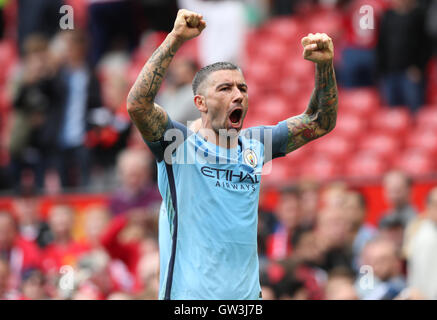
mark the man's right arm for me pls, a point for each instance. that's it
(148, 117)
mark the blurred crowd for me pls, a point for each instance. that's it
(318, 245)
(315, 243)
(64, 128)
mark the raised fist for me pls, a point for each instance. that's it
(318, 48)
(188, 25)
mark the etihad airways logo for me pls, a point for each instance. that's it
(229, 175)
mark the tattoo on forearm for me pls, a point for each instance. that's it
(146, 115)
(321, 113)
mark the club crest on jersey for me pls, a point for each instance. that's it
(250, 158)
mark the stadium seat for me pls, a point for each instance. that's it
(321, 167)
(363, 102)
(299, 70)
(384, 145)
(283, 28)
(365, 165)
(349, 125)
(416, 162)
(426, 117)
(274, 107)
(423, 139)
(336, 147)
(395, 121)
(272, 51)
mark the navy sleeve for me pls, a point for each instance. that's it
(158, 147)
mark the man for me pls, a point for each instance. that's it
(397, 191)
(355, 208)
(383, 256)
(287, 214)
(403, 76)
(212, 207)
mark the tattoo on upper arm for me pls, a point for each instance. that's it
(151, 119)
(321, 114)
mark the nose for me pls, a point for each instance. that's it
(238, 96)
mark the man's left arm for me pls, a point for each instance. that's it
(320, 116)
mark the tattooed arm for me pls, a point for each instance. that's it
(150, 118)
(320, 116)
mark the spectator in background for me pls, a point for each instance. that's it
(19, 253)
(178, 94)
(82, 94)
(431, 24)
(36, 103)
(6, 293)
(422, 248)
(383, 256)
(64, 249)
(137, 190)
(96, 219)
(397, 191)
(111, 25)
(361, 232)
(309, 199)
(224, 39)
(288, 215)
(333, 195)
(37, 16)
(340, 286)
(30, 225)
(358, 57)
(33, 285)
(403, 51)
(393, 230)
(307, 258)
(132, 238)
(332, 232)
(110, 125)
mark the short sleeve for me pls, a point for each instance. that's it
(274, 139)
(173, 130)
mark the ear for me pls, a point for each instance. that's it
(199, 101)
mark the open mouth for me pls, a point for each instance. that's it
(235, 117)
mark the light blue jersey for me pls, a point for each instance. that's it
(209, 216)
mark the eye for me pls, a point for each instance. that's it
(243, 89)
(224, 89)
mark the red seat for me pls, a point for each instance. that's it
(424, 139)
(365, 165)
(321, 168)
(350, 125)
(384, 145)
(274, 107)
(416, 162)
(396, 121)
(363, 102)
(299, 155)
(299, 70)
(334, 146)
(327, 21)
(426, 117)
(272, 51)
(285, 29)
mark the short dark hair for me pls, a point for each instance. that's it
(203, 73)
(290, 190)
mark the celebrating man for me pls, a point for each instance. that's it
(209, 179)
